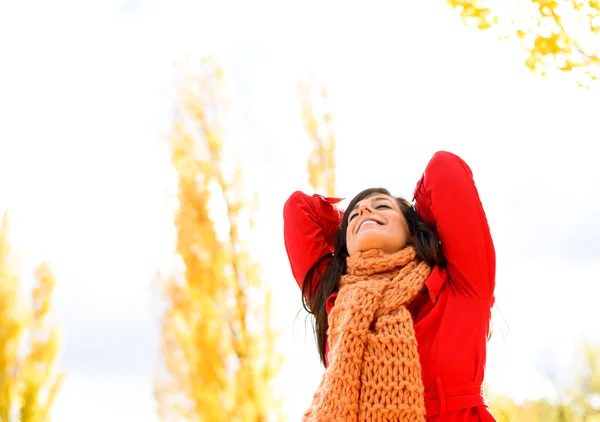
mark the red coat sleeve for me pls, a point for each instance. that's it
(309, 227)
(447, 198)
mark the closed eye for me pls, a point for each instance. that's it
(377, 207)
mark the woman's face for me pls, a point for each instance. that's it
(376, 223)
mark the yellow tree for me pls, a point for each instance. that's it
(556, 34)
(585, 389)
(29, 345)
(317, 120)
(506, 410)
(218, 344)
(579, 403)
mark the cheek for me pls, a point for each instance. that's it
(349, 237)
(401, 228)
(350, 241)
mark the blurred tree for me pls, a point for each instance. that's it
(556, 34)
(580, 403)
(29, 347)
(218, 344)
(318, 124)
(506, 410)
(585, 392)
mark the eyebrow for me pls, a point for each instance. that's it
(377, 198)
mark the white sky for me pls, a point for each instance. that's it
(85, 100)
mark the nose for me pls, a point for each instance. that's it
(364, 208)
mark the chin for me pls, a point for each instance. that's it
(375, 245)
(372, 240)
(381, 244)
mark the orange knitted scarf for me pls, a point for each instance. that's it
(374, 373)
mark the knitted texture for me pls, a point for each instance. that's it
(374, 373)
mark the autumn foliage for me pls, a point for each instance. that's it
(317, 120)
(576, 399)
(556, 34)
(218, 344)
(29, 346)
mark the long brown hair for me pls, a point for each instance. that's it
(423, 238)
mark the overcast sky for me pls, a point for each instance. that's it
(85, 106)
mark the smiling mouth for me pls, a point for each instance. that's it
(368, 223)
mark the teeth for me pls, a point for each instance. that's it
(367, 222)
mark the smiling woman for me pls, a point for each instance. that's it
(398, 225)
(401, 297)
(376, 222)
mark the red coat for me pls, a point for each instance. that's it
(452, 316)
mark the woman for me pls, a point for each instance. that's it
(401, 297)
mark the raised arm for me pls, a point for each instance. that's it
(447, 198)
(309, 227)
